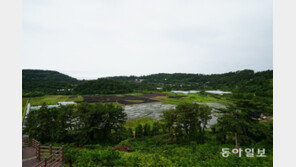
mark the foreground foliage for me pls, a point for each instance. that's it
(85, 123)
(90, 132)
(156, 151)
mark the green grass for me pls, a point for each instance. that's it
(135, 122)
(193, 98)
(171, 93)
(135, 94)
(53, 99)
(135, 101)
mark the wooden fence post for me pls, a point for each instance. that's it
(62, 153)
(50, 150)
(38, 152)
(30, 141)
(45, 163)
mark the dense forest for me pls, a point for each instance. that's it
(102, 86)
(39, 82)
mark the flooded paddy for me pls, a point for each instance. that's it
(154, 110)
(62, 103)
(185, 92)
(151, 110)
(219, 92)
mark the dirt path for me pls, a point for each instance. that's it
(29, 157)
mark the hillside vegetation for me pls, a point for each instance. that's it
(102, 86)
(39, 82)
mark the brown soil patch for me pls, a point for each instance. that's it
(159, 97)
(176, 96)
(124, 148)
(124, 99)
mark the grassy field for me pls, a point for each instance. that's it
(53, 99)
(135, 94)
(194, 98)
(135, 122)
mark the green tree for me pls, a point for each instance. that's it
(65, 123)
(188, 120)
(147, 130)
(42, 124)
(237, 121)
(96, 121)
(139, 131)
(155, 128)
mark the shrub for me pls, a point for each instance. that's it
(139, 131)
(147, 130)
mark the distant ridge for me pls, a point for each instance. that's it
(46, 81)
(40, 82)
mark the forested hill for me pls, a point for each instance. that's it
(103, 86)
(37, 82)
(245, 81)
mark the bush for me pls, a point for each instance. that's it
(147, 130)
(121, 134)
(155, 128)
(92, 158)
(139, 131)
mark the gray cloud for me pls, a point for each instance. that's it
(90, 38)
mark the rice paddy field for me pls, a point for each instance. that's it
(195, 98)
(166, 97)
(53, 99)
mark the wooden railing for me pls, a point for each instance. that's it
(50, 156)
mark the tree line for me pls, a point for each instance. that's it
(84, 124)
(96, 123)
(243, 83)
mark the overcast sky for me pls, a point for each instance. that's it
(96, 38)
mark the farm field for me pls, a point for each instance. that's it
(53, 99)
(136, 98)
(123, 98)
(194, 98)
